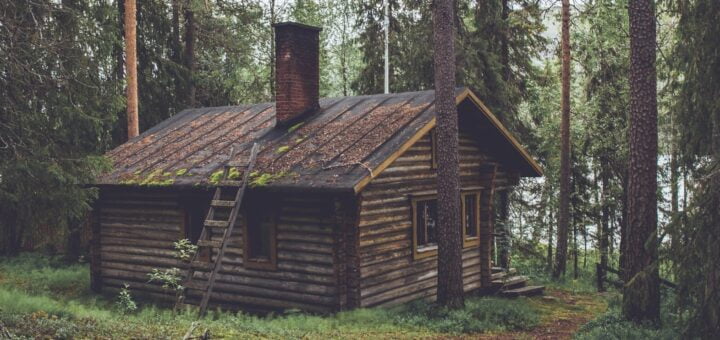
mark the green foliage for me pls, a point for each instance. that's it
(611, 325)
(124, 301)
(234, 173)
(170, 278)
(295, 127)
(71, 315)
(479, 315)
(184, 249)
(282, 149)
(258, 179)
(216, 177)
(181, 172)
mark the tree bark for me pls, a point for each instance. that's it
(641, 295)
(450, 281)
(272, 51)
(604, 220)
(563, 215)
(119, 56)
(503, 248)
(131, 66)
(190, 53)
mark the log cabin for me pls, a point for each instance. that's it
(341, 212)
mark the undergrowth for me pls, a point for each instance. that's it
(612, 325)
(45, 297)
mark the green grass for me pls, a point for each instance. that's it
(611, 324)
(45, 297)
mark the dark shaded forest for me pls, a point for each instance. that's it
(63, 105)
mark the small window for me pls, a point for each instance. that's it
(424, 227)
(433, 146)
(471, 218)
(259, 234)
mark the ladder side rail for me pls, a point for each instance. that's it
(231, 220)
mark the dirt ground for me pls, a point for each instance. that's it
(564, 313)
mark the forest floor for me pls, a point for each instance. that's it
(563, 313)
(43, 297)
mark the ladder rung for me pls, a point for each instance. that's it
(197, 285)
(230, 183)
(216, 224)
(238, 164)
(222, 203)
(207, 266)
(209, 243)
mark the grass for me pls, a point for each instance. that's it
(45, 297)
(611, 325)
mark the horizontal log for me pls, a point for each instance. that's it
(121, 241)
(136, 250)
(154, 261)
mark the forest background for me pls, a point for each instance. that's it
(62, 106)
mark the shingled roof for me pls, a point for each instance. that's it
(341, 146)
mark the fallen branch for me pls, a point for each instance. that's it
(190, 331)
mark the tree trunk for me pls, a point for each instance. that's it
(119, 56)
(604, 221)
(505, 42)
(550, 243)
(641, 295)
(190, 53)
(272, 52)
(503, 227)
(450, 280)
(563, 215)
(131, 66)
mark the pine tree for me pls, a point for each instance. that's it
(131, 68)
(450, 274)
(564, 213)
(641, 295)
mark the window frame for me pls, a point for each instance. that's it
(467, 242)
(470, 241)
(433, 149)
(426, 251)
(271, 263)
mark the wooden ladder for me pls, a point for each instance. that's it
(205, 242)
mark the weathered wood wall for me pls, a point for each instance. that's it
(137, 232)
(133, 233)
(388, 273)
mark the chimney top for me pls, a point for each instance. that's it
(297, 71)
(296, 24)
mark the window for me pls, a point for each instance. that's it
(424, 210)
(433, 146)
(424, 231)
(471, 218)
(259, 234)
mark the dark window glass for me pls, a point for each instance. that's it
(426, 218)
(471, 215)
(260, 226)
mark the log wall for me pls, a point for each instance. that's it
(388, 273)
(137, 232)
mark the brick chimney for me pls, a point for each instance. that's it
(297, 71)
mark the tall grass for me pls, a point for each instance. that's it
(45, 297)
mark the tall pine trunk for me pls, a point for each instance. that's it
(503, 241)
(131, 66)
(564, 213)
(272, 51)
(604, 220)
(190, 53)
(450, 280)
(641, 295)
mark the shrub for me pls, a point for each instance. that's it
(124, 300)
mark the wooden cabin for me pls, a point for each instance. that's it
(342, 210)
